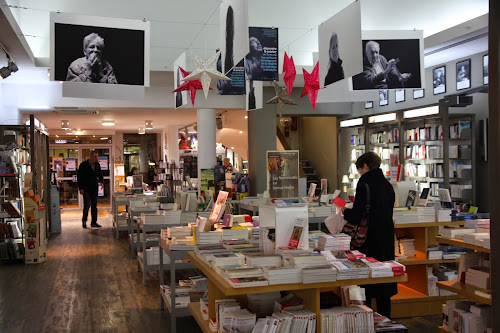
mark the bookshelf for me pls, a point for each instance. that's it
(218, 288)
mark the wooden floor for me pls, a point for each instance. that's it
(90, 284)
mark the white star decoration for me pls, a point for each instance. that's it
(205, 71)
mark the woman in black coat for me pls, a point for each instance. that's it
(379, 242)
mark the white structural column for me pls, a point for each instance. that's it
(172, 144)
(206, 140)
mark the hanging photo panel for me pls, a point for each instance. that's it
(383, 97)
(261, 63)
(235, 86)
(391, 60)
(439, 80)
(233, 32)
(339, 42)
(181, 97)
(254, 95)
(463, 74)
(485, 69)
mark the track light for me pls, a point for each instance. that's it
(10, 68)
(65, 124)
(142, 130)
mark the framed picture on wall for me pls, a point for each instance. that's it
(463, 74)
(418, 93)
(439, 80)
(400, 95)
(383, 97)
(369, 105)
(485, 69)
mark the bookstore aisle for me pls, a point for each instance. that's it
(90, 284)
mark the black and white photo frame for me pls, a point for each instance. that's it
(400, 95)
(369, 105)
(383, 97)
(485, 69)
(418, 93)
(439, 80)
(463, 74)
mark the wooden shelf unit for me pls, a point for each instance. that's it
(464, 289)
(194, 308)
(219, 288)
(461, 243)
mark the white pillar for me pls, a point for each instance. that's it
(206, 141)
(172, 144)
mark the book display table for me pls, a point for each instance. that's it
(135, 212)
(117, 201)
(218, 288)
(173, 266)
(142, 263)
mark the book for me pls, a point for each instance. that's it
(299, 225)
(247, 282)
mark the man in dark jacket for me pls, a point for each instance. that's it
(89, 176)
(379, 242)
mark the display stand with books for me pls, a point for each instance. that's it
(12, 246)
(120, 218)
(175, 256)
(219, 288)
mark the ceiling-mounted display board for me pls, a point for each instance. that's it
(261, 63)
(99, 57)
(391, 60)
(254, 95)
(339, 42)
(233, 33)
(181, 97)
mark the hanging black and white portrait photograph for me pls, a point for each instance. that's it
(261, 62)
(181, 97)
(463, 74)
(339, 41)
(439, 80)
(399, 95)
(418, 93)
(369, 105)
(390, 64)
(98, 54)
(233, 32)
(485, 69)
(383, 97)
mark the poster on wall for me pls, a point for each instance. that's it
(261, 62)
(234, 32)
(70, 164)
(391, 60)
(339, 42)
(57, 163)
(254, 95)
(181, 97)
(100, 57)
(283, 174)
(103, 162)
(235, 86)
(207, 179)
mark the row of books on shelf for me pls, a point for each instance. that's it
(466, 317)
(416, 152)
(357, 140)
(422, 214)
(187, 291)
(11, 208)
(385, 153)
(11, 251)
(433, 170)
(460, 151)
(10, 230)
(461, 130)
(391, 136)
(430, 132)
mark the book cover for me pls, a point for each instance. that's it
(297, 232)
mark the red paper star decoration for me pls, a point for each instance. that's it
(289, 73)
(311, 85)
(191, 86)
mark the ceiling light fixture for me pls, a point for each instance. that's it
(149, 124)
(11, 65)
(65, 124)
(142, 130)
(241, 132)
(246, 117)
(108, 123)
(78, 132)
(104, 138)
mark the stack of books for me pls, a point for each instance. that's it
(308, 260)
(262, 304)
(225, 259)
(337, 242)
(247, 282)
(476, 238)
(478, 277)
(443, 215)
(262, 260)
(235, 233)
(466, 316)
(456, 232)
(290, 302)
(207, 250)
(426, 214)
(351, 269)
(153, 256)
(185, 243)
(325, 273)
(433, 252)
(282, 274)
(241, 271)
(240, 246)
(178, 232)
(208, 237)
(289, 250)
(384, 269)
(407, 247)
(314, 237)
(351, 319)
(232, 318)
(384, 324)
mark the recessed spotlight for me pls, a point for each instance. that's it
(104, 138)
(246, 117)
(232, 148)
(57, 136)
(142, 130)
(78, 132)
(241, 132)
(149, 124)
(108, 123)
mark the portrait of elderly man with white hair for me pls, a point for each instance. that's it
(92, 67)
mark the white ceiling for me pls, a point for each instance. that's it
(179, 25)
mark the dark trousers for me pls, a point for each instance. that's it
(89, 201)
(383, 305)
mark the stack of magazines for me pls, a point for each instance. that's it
(336, 242)
(351, 269)
(384, 269)
(325, 273)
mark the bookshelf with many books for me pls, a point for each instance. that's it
(384, 139)
(351, 144)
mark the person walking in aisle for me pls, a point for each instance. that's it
(89, 176)
(379, 242)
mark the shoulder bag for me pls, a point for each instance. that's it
(358, 232)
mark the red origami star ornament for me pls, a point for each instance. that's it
(289, 73)
(311, 85)
(190, 86)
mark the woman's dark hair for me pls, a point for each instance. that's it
(371, 159)
(229, 61)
